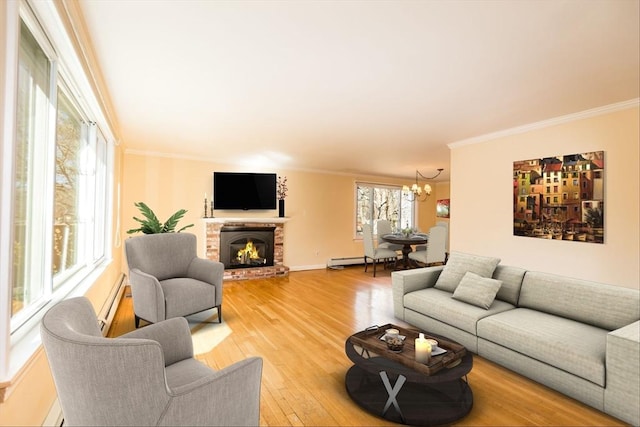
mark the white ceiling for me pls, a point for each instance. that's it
(377, 87)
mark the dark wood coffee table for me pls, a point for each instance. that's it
(421, 394)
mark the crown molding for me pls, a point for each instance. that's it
(548, 123)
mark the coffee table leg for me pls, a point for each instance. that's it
(393, 392)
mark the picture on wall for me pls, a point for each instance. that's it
(442, 208)
(560, 197)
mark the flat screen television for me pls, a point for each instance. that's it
(244, 191)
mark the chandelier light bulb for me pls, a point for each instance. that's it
(415, 191)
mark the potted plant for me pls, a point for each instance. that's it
(151, 224)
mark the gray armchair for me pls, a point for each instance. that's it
(169, 280)
(146, 377)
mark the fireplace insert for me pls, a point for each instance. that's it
(246, 247)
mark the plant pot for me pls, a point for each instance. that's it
(281, 208)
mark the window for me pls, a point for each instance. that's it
(376, 201)
(57, 184)
(69, 208)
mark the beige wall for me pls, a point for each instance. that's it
(482, 210)
(320, 205)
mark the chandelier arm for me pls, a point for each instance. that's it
(433, 177)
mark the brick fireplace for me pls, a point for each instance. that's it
(213, 230)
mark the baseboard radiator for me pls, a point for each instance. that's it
(339, 263)
(108, 311)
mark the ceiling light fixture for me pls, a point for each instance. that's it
(415, 192)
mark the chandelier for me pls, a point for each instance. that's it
(416, 192)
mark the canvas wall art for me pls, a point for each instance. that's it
(560, 197)
(442, 208)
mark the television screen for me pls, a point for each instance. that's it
(239, 190)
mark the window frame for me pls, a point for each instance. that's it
(20, 339)
(357, 234)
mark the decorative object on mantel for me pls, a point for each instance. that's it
(205, 206)
(416, 192)
(151, 224)
(282, 194)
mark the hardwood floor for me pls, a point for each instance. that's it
(299, 324)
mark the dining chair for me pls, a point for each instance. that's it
(375, 254)
(446, 239)
(383, 226)
(435, 248)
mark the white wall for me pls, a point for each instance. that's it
(482, 202)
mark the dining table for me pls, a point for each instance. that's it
(407, 241)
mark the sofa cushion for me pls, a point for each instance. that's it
(604, 306)
(476, 290)
(459, 263)
(511, 278)
(569, 345)
(438, 304)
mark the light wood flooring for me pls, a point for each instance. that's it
(299, 325)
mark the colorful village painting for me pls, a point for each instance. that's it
(560, 197)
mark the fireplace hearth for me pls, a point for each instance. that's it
(213, 246)
(246, 247)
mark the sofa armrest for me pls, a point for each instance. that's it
(173, 335)
(403, 282)
(208, 271)
(622, 392)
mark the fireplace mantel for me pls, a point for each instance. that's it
(266, 220)
(212, 228)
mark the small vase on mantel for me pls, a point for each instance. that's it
(281, 208)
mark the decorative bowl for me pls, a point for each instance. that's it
(394, 343)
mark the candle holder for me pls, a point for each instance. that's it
(205, 207)
(211, 204)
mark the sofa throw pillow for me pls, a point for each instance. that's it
(459, 263)
(476, 290)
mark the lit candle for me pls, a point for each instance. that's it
(205, 196)
(423, 349)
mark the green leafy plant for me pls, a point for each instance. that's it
(151, 224)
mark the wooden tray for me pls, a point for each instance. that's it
(369, 339)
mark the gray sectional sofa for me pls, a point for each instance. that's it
(578, 337)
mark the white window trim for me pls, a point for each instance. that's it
(17, 349)
(414, 207)
(12, 29)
